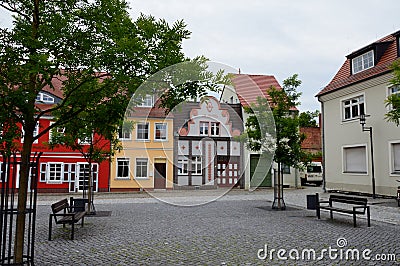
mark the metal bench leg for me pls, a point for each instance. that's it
(318, 212)
(331, 214)
(368, 217)
(82, 221)
(354, 220)
(50, 225)
(72, 230)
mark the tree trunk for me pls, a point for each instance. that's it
(22, 197)
(90, 187)
(279, 185)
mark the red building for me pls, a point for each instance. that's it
(60, 168)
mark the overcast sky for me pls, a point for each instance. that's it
(280, 38)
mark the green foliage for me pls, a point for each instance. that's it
(190, 80)
(307, 119)
(393, 100)
(287, 140)
(98, 55)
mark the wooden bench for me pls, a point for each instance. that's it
(64, 214)
(359, 206)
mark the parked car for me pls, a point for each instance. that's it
(312, 174)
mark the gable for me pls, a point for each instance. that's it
(385, 53)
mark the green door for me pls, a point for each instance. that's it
(260, 174)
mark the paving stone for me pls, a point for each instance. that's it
(230, 231)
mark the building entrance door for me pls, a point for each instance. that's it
(160, 174)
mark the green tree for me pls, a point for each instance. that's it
(93, 48)
(307, 119)
(287, 140)
(393, 100)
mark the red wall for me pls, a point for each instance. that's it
(66, 155)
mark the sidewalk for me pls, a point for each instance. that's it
(383, 210)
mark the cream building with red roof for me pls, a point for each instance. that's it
(360, 87)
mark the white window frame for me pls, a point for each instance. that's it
(124, 134)
(61, 174)
(183, 165)
(141, 160)
(363, 62)
(165, 138)
(196, 165)
(204, 128)
(392, 158)
(1, 172)
(86, 140)
(215, 126)
(68, 171)
(35, 133)
(58, 129)
(148, 131)
(360, 100)
(391, 92)
(344, 159)
(147, 101)
(44, 98)
(123, 159)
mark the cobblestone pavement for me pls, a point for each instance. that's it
(233, 230)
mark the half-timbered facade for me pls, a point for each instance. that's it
(206, 153)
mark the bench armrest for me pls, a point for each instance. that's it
(62, 214)
(360, 207)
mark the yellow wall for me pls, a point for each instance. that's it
(154, 151)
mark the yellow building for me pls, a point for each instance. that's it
(146, 161)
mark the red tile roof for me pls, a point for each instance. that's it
(344, 78)
(249, 87)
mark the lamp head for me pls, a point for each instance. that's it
(362, 119)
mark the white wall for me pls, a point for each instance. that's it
(339, 134)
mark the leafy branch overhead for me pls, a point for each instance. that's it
(92, 53)
(273, 124)
(393, 100)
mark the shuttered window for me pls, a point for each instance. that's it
(355, 160)
(396, 158)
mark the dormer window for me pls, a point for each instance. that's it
(44, 98)
(147, 101)
(363, 62)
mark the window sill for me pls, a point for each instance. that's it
(122, 178)
(54, 182)
(142, 178)
(351, 120)
(356, 173)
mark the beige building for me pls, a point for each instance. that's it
(360, 88)
(146, 161)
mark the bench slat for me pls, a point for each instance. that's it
(66, 217)
(59, 206)
(356, 202)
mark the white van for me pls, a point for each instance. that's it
(313, 174)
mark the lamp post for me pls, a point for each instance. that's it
(369, 129)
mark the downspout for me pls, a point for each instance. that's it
(322, 126)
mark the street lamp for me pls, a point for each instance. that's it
(369, 129)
